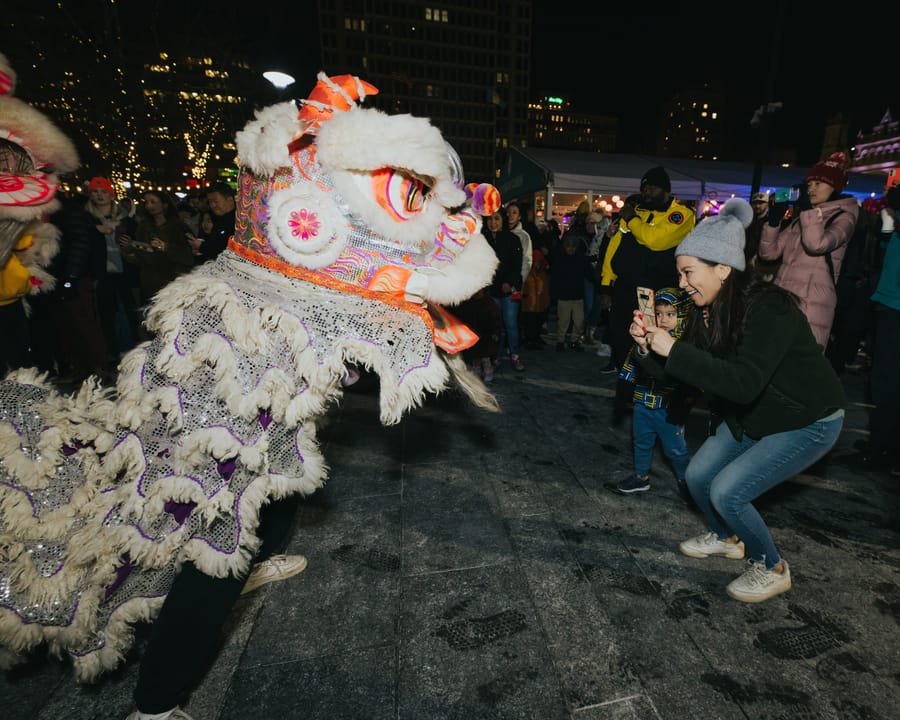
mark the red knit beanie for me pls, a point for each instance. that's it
(832, 171)
(102, 182)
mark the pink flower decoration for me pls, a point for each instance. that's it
(304, 224)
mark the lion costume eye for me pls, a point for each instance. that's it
(399, 194)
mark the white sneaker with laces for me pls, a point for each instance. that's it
(277, 567)
(703, 546)
(175, 713)
(758, 584)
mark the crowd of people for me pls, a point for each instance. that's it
(752, 309)
(114, 256)
(758, 308)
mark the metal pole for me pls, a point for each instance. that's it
(770, 91)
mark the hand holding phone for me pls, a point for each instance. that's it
(647, 306)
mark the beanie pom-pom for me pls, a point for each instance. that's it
(738, 208)
(484, 198)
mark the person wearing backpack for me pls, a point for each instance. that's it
(812, 243)
(853, 315)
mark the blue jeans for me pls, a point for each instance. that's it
(649, 424)
(509, 309)
(726, 475)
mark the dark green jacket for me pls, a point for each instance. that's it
(776, 380)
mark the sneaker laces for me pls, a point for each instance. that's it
(757, 575)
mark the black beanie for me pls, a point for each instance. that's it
(657, 176)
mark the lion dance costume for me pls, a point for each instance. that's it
(354, 228)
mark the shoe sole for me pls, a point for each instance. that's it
(757, 598)
(703, 556)
(248, 587)
(632, 490)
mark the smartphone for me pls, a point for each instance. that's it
(791, 194)
(647, 305)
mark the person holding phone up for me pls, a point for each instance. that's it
(748, 347)
(812, 244)
(641, 253)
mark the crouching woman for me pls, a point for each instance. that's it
(749, 347)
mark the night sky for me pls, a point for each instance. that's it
(624, 59)
(619, 59)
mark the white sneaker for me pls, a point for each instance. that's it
(604, 350)
(175, 713)
(277, 567)
(703, 546)
(758, 584)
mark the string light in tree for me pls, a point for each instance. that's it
(204, 126)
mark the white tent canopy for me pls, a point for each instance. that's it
(538, 170)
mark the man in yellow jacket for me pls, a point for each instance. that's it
(640, 254)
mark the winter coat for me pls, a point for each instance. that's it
(802, 245)
(776, 380)
(508, 250)
(536, 292)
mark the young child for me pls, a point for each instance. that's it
(569, 268)
(482, 315)
(658, 407)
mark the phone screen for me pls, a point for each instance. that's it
(647, 305)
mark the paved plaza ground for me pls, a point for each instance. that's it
(466, 565)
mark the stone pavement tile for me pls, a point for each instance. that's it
(448, 429)
(108, 699)
(346, 597)
(450, 520)
(28, 683)
(472, 648)
(360, 470)
(353, 684)
(206, 700)
(574, 621)
(517, 493)
(773, 663)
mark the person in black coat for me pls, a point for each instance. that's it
(506, 286)
(221, 204)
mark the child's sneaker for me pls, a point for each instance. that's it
(633, 484)
(758, 584)
(704, 546)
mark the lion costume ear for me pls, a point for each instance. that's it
(339, 92)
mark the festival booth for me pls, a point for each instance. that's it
(556, 181)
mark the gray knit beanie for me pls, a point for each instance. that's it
(720, 239)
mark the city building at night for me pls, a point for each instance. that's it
(878, 151)
(554, 123)
(464, 65)
(692, 125)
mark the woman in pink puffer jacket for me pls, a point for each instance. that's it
(822, 223)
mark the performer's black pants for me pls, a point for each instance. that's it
(185, 636)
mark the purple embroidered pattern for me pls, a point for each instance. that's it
(304, 224)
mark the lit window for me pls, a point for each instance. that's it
(444, 16)
(428, 13)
